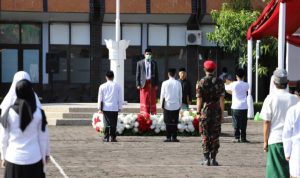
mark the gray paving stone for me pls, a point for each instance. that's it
(81, 153)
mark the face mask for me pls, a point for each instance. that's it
(148, 57)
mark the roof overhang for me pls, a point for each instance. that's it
(44, 17)
(148, 18)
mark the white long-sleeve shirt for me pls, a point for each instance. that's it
(110, 95)
(148, 70)
(171, 91)
(291, 139)
(27, 147)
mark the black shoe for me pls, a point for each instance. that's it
(175, 140)
(245, 141)
(213, 162)
(205, 162)
(167, 140)
(105, 140)
(114, 140)
(236, 140)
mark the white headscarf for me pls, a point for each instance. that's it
(11, 96)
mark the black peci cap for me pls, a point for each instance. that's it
(182, 69)
(148, 50)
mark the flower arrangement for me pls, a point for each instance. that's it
(98, 122)
(145, 123)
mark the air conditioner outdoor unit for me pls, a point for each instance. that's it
(193, 37)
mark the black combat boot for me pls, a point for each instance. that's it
(213, 160)
(206, 160)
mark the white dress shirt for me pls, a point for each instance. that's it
(27, 147)
(148, 70)
(111, 96)
(291, 139)
(274, 110)
(239, 94)
(171, 91)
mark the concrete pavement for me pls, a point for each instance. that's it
(81, 153)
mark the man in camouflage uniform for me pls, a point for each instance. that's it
(210, 93)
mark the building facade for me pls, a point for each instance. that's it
(72, 32)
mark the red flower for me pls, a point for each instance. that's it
(196, 123)
(96, 120)
(144, 122)
(98, 129)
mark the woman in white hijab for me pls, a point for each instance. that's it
(24, 136)
(11, 96)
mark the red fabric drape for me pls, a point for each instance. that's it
(267, 22)
(294, 40)
(148, 98)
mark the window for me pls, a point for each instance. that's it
(31, 33)
(9, 34)
(80, 34)
(80, 65)
(177, 35)
(108, 32)
(59, 34)
(157, 35)
(9, 64)
(132, 32)
(31, 64)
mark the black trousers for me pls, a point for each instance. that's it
(110, 119)
(239, 123)
(171, 120)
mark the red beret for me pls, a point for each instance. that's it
(209, 65)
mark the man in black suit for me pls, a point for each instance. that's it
(147, 82)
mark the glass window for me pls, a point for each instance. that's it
(80, 34)
(59, 34)
(9, 64)
(133, 33)
(133, 55)
(31, 33)
(157, 35)
(206, 29)
(80, 65)
(63, 65)
(31, 64)
(160, 56)
(177, 57)
(9, 34)
(177, 35)
(108, 32)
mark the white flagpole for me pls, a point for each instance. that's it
(250, 113)
(281, 35)
(256, 70)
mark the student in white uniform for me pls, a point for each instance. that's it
(110, 102)
(291, 136)
(171, 101)
(24, 136)
(239, 106)
(11, 96)
(273, 113)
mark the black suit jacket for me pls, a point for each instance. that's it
(141, 73)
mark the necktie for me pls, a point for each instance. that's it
(147, 71)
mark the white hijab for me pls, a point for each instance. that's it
(11, 96)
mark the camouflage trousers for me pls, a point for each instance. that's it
(210, 130)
